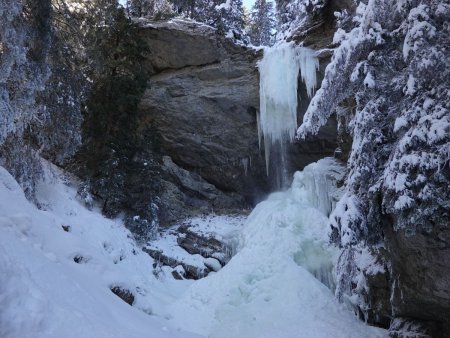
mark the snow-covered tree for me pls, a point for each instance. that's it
(154, 9)
(262, 23)
(24, 44)
(295, 14)
(225, 15)
(388, 85)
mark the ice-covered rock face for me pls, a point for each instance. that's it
(279, 71)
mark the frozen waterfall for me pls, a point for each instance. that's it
(278, 283)
(279, 70)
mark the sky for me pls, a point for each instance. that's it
(248, 3)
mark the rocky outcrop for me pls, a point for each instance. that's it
(185, 193)
(124, 294)
(191, 253)
(420, 280)
(202, 100)
(187, 270)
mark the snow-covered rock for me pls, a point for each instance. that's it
(199, 246)
(213, 264)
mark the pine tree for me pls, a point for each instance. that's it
(388, 85)
(154, 9)
(25, 40)
(262, 23)
(227, 16)
(230, 19)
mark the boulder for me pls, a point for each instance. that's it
(191, 271)
(212, 264)
(124, 294)
(206, 246)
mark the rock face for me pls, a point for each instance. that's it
(420, 279)
(202, 100)
(185, 193)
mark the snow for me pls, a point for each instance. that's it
(403, 202)
(369, 81)
(366, 262)
(44, 293)
(225, 5)
(418, 29)
(344, 216)
(214, 225)
(270, 288)
(167, 244)
(213, 264)
(410, 85)
(400, 122)
(279, 70)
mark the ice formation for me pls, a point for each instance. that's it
(276, 284)
(245, 162)
(279, 69)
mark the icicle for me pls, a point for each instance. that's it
(309, 64)
(279, 69)
(258, 123)
(244, 162)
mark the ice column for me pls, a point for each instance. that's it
(279, 69)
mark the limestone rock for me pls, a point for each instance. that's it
(420, 276)
(202, 100)
(191, 272)
(186, 193)
(124, 294)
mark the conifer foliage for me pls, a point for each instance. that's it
(388, 85)
(27, 112)
(262, 23)
(225, 15)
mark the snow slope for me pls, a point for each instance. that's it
(268, 288)
(44, 293)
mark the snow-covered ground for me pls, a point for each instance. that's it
(45, 293)
(266, 290)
